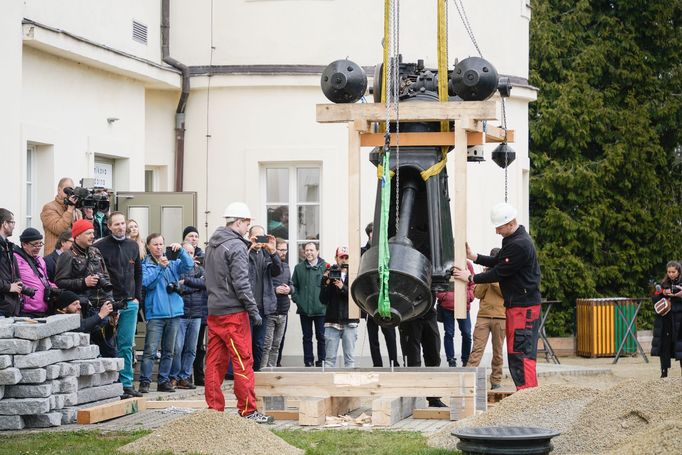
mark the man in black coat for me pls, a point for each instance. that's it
(10, 284)
(64, 242)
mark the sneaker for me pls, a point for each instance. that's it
(495, 386)
(260, 418)
(165, 387)
(185, 384)
(132, 392)
(452, 363)
(144, 387)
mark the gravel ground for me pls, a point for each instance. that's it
(211, 432)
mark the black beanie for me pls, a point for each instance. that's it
(30, 234)
(187, 230)
(65, 299)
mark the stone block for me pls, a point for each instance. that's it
(90, 351)
(66, 340)
(17, 346)
(52, 419)
(96, 364)
(99, 393)
(85, 338)
(69, 415)
(68, 369)
(10, 376)
(44, 344)
(5, 361)
(52, 371)
(97, 379)
(33, 375)
(112, 363)
(68, 384)
(53, 325)
(7, 328)
(24, 406)
(28, 390)
(2, 391)
(57, 401)
(70, 399)
(40, 359)
(11, 423)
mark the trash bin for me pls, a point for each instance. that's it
(600, 327)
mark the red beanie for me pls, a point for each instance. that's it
(80, 226)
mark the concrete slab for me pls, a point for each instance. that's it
(7, 328)
(52, 371)
(68, 369)
(17, 346)
(52, 419)
(66, 340)
(24, 406)
(33, 375)
(96, 364)
(53, 325)
(99, 393)
(44, 344)
(28, 391)
(5, 361)
(10, 376)
(67, 384)
(11, 423)
(112, 364)
(98, 379)
(84, 338)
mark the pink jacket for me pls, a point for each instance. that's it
(35, 304)
(447, 299)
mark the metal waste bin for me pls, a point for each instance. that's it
(600, 327)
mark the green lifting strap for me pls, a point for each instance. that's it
(384, 305)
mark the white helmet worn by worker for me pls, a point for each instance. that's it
(502, 214)
(237, 210)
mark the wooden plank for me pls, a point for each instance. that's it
(496, 134)
(460, 216)
(354, 184)
(419, 139)
(313, 411)
(387, 411)
(111, 410)
(343, 405)
(284, 414)
(432, 413)
(412, 111)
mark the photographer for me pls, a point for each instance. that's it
(667, 341)
(36, 287)
(10, 285)
(92, 320)
(64, 242)
(122, 258)
(60, 214)
(163, 307)
(337, 325)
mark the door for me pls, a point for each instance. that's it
(165, 212)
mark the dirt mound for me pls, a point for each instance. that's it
(212, 432)
(590, 420)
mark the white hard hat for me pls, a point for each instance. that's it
(502, 214)
(237, 210)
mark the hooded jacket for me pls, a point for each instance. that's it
(263, 266)
(283, 301)
(227, 274)
(9, 273)
(35, 304)
(306, 294)
(194, 293)
(158, 302)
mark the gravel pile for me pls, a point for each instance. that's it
(211, 432)
(634, 416)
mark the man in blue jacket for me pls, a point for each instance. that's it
(163, 307)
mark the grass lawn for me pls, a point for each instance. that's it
(313, 442)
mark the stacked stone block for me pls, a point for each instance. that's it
(47, 372)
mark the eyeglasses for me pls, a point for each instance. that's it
(36, 245)
(10, 222)
(285, 250)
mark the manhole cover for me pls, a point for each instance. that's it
(505, 440)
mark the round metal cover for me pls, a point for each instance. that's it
(505, 433)
(505, 440)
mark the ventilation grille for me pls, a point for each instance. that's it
(139, 32)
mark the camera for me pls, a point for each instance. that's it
(51, 295)
(95, 198)
(103, 283)
(28, 291)
(119, 305)
(262, 239)
(171, 255)
(335, 271)
(173, 287)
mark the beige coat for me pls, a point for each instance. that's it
(492, 303)
(56, 219)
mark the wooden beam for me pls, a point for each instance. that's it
(432, 413)
(496, 134)
(413, 111)
(313, 411)
(111, 410)
(354, 183)
(459, 212)
(387, 411)
(284, 414)
(419, 139)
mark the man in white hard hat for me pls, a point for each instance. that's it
(230, 305)
(517, 270)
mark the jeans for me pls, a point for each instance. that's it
(159, 332)
(348, 335)
(307, 327)
(448, 317)
(257, 339)
(125, 338)
(185, 348)
(274, 331)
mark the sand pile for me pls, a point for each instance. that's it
(211, 432)
(590, 420)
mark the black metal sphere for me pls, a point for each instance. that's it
(473, 79)
(343, 82)
(503, 155)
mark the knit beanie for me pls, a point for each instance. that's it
(187, 230)
(81, 226)
(65, 299)
(30, 234)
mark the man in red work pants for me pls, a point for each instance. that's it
(230, 306)
(517, 270)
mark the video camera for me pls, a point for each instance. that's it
(335, 271)
(88, 196)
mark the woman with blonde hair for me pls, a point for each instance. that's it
(133, 233)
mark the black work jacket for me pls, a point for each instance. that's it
(10, 303)
(336, 301)
(122, 258)
(74, 265)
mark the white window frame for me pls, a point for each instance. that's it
(30, 184)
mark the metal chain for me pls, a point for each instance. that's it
(467, 26)
(506, 155)
(396, 86)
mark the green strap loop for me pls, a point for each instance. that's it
(384, 304)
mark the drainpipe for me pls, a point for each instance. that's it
(184, 94)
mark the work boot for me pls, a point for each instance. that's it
(185, 384)
(144, 387)
(664, 372)
(174, 382)
(165, 387)
(259, 418)
(132, 392)
(435, 402)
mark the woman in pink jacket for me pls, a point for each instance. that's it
(33, 274)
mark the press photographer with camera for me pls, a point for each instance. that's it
(163, 307)
(667, 341)
(122, 258)
(58, 215)
(92, 320)
(36, 288)
(337, 325)
(10, 285)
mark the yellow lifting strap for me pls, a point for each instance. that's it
(442, 84)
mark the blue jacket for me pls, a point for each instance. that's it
(158, 303)
(194, 293)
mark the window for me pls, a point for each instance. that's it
(30, 184)
(293, 190)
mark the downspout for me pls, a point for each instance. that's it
(184, 94)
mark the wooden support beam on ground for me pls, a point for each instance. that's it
(110, 411)
(431, 413)
(387, 411)
(284, 414)
(314, 411)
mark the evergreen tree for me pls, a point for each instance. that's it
(605, 141)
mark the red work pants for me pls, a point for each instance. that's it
(229, 338)
(522, 325)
